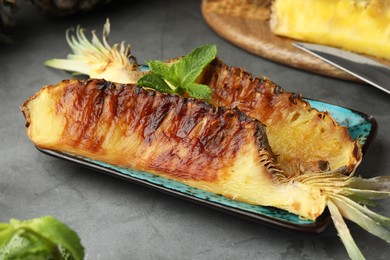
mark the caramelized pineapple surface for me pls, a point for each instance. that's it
(361, 26)
(214, 149)
(302, 138)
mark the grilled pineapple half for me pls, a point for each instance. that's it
(302, 138)
(214, 149)
(357, 25)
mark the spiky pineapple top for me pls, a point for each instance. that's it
(7, 7)
(97, 58)
(64, 7)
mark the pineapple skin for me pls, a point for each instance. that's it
(361, 26)
(302, 138)
(67, 7)
(214, 149)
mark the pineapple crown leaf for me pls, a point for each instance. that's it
(91, 57)
(347, 197)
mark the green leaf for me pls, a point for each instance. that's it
(25, 245)
(38, 237)
(198, 91)
(180, 77)
(367, 219)
(66, 255)
(343, 231)
(165, 71)
(58, 233)
(191, 66)
(6, 233)
(154, 81)
(159, 67)
(379, 183)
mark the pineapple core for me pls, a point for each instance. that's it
(361, 26)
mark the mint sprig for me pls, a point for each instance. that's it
(180, 77)
(39, 238)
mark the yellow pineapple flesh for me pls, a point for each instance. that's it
(302, 138)
(361, 26)
(218, 150)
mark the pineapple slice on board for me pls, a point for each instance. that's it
(361, 26)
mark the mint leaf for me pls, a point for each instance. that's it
(58, 233)
(6, 233)
(24, 245)
(180, 77)
(199, 91)
(66, 255)
(35, 238)
(165, 71)
(192, 65)
(154, 81)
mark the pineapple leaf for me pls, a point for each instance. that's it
(344, 196)
(365, 218)
(380, 183)
(96, 58)
(343, 231)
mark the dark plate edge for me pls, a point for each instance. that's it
(317, 227)
(372, 134)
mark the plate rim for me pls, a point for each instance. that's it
(319, 225)
(316, 227)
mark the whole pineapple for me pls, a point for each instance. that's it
(64, 7)
(56, 7)
(7, 7)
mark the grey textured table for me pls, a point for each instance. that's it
(120, 220)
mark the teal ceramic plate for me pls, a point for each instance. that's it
(360, 126)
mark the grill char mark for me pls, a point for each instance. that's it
(184, 138)
(264, 100)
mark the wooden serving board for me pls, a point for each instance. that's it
(245, 23)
